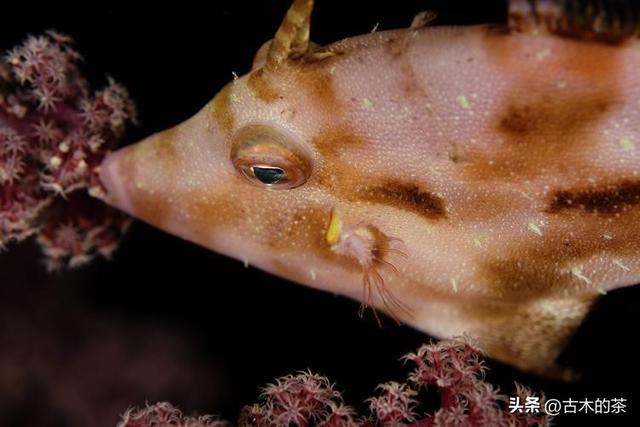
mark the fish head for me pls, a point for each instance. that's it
(248, 176)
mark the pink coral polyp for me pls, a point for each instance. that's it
(453, 368)
(53, 136)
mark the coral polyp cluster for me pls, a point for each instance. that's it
(452, 368)
(54, 133)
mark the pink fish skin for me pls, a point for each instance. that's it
(483, 180)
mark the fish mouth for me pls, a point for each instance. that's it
(116, 194)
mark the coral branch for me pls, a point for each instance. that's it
(163, 414)
(452, 367)
(53, 136)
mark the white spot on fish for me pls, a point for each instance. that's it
(602, 291)
(532, 226)
(526, 195)
(607, 236)
(542, 54)
(246, 263)
(428, 108)
(577, 272)
(463, 102)
(375, 27)
(235, 75)
(619, 263)
(367, 104)
(313, 274)
(627, 143)
(454, 285)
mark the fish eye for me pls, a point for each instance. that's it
(268, 175)
(269, 157)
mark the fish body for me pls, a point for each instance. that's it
(478, 180)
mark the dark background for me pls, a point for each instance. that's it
(241, 327)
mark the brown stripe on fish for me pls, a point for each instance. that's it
(398, 49)
(407, 196)
(529, 121)
(513, 52)
(331, 142)
(611, 22)
(609, 199)
(261, 85)
(351, 184)
(222, 110)
(540, 130)
(554, 120)
(555, 262)
(317, 83)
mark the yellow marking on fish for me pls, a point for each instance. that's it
(335, 228)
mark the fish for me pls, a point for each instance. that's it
(476, 180)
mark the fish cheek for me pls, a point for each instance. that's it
(298, 238)
(282, 224)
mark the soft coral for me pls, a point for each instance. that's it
(53, 136)
(453, 368)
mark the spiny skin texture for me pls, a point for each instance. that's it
(506, 163)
